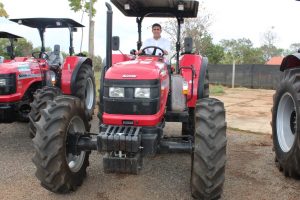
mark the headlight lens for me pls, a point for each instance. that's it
(2, 82)
(142, 93)
(116, 92)
(51, 78)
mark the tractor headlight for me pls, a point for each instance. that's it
(51, 78)
(116, 92)
(2, 82)
(142, 93)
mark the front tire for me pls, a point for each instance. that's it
(209, 155)
(40, 98)
(85, 89)
(58, 170)
(285, 124)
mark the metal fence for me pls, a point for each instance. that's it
(250, 76)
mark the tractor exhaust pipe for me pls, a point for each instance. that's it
(108, 35)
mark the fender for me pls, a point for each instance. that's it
(203, 69)
(290, 61)
(70, 70)
(82, 60)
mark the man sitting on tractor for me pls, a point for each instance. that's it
(158, 41)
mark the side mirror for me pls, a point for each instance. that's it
(74, 29)
(132, 52)
(115, 43)
(188, 45)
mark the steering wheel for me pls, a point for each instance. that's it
(40, 55)
(154, 50)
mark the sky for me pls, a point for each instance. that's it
(231, 19)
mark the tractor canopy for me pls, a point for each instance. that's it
(42, 23)
(158, 8)
(4, 34)
(48, 22)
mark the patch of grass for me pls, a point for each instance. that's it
(216, 89)
(97, 82)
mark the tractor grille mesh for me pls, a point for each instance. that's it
(8, 84)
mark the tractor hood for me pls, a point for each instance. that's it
(148, 68)
(14, 67)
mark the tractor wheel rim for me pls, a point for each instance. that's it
(75, 162)
(89, 94)
(286, 122)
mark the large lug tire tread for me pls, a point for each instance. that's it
(288, 162)
(84, 73)
(40, 98)
(50, 145)
(209, 156)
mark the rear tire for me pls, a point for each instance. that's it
(285, 124)
(85, 89)
(40, 98)
(209, 155)
(58, 170)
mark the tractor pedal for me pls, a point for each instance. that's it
(128, 165)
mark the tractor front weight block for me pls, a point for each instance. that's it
(125, 146)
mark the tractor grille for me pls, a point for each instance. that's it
(130, 105)
(8, 84)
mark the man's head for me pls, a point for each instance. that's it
(156, 30)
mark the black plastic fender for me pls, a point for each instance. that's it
(101, 90)
(203, 69)
(290, 61)
(82, 60)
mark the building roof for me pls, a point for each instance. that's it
(276, 60)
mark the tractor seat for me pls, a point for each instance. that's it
(55, 57)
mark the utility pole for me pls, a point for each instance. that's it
(91, 31)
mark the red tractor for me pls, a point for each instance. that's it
(20, 77)
(137, 97)
(47, 74)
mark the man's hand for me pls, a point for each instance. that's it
(165, 52)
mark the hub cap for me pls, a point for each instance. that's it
(89, 94)
(75, 162)
(286, 122)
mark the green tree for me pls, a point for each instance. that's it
(215, 54)
(241, 51)
(23, 47)
(97, 63)
(3, 12)
(38, 49)
(82, 5)
(3, 44)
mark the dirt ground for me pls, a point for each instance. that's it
(250, 171)
(248, 109)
